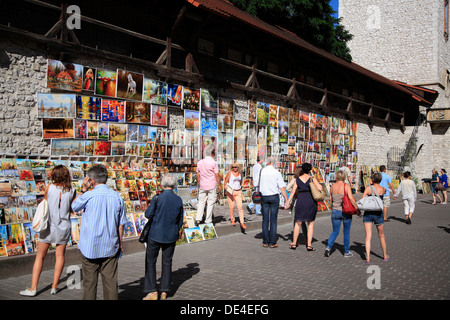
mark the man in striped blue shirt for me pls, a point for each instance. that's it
(101, 233)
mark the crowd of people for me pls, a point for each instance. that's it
(104, 217)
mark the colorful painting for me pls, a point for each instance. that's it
(252, 110)
(105, 83)
(208, 101)
(143, 134)
(103, 130)
(132, 132)
(192, 120)
(283, 114)
(118, 148)
(155, 91)
(194, 234)
(64, 75)
(224, 123)
(137, 112)
(67, 147)
(191, 99)
(262, 113)
(54, 106)
(209, 124)
(159, 115)
(118, 132)
(57, 128)
(89, 148)
(273, 115)
(80, 127)
(92, 130)
(283, 131)
(129, 85)
(226, 106)
(113, 110)
(174, 95)
(89, 79)
(89, 108)
(102, 148)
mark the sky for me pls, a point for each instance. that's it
(335, 5)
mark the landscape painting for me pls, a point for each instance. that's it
(64, 75)
(57, 128)
(67, 147)
(137, 112)
(105, 83)
(155, 91)
(54, 106)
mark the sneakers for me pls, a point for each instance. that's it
(348, 255)
(327, 252)
(28, 293)
(444, 202)
(249, 210)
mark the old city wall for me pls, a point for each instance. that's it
(23, 75)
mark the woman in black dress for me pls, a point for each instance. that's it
(305, 207)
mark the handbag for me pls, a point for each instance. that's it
(439, 187)
(371, 203)
(229, 189)
(40, 219)
(256, 196)
(347, 206)
(144, 234)
(316, 194)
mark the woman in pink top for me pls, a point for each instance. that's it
(233, 191)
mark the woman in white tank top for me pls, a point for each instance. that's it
(233, 191)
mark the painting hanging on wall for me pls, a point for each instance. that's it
(57, 128)
(262, 113)
(89, 78)
(103, 130)
(137, 112)
(159, 115)
(209, 124)
(80, 128)
(155, 91)
(92, 130)
(191, 99)
(88, 108)
(64, 75)
(51, 105)
(129, 85)
(102, 148)
(174, 95)
(105, 83)
(191, 119)
(67, 147)
(118, 132)
(208, 101)
(113, 110)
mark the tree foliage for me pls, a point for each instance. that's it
(311, 20)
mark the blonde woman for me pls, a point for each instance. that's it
(233, 191)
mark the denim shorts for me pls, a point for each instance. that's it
(376, 217)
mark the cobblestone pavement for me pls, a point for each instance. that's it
(237, 267)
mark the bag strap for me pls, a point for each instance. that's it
(374, 192)
(259, 180)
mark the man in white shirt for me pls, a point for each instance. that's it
(256, 169)
(347, 171)
(270, 185)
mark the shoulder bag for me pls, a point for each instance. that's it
(347, 206)
(146, 230)
(256, 196)
(316, 194)
(371, 203)
(40, 219)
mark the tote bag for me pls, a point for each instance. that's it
(347, 206)
(371, 203)
(316, 194)
(40, 219)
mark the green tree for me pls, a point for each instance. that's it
(311, 20)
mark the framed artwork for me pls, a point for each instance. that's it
(155, 91)
(209, 124)
(132, 132)
(118, 148)
(224, 123)
(132, 148)
(273, 115)
(208, 143)
(89, 79)
(64, 75)
(129, 85)
(208, 101)
(67, 147)
(89, 148)
(252, 110)
(208, 230)
(105, 83)
(226, 106)
(80, 128)
(262, 113)
(194, 234)
(304, 116)
(143, 134)
(159, 115)
(89, 108)
(113, 110)
(174, 95)
(57, 128)
(283, 114)
(137, 112)
(191, 99)
(53, 105)
(118, 132)
(92, 130)
(283, 131)
(102, 148)
(103, 130)
(191, 119)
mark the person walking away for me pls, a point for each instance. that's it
(374, 217)
(348, 173)
(386, 183)
(166, 215)
(256, 168)
(270, 185)
(409, 195)
(305, 206)
(233, 183)
(444, 181)
(101, 233)
(337, 192)
(433, 184)
(59, 195)
(208, 181)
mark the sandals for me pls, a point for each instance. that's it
(293, 246)
(309, 248)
